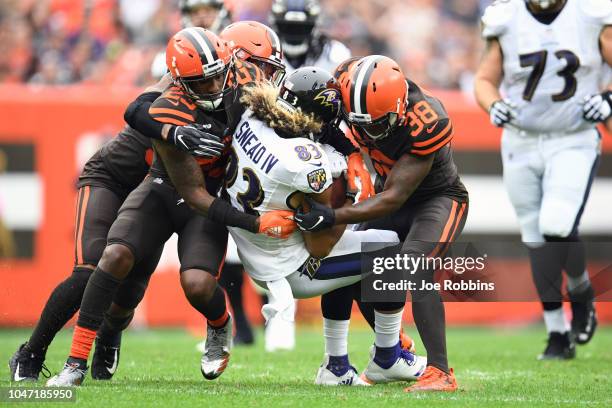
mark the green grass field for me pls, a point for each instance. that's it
(493, 368)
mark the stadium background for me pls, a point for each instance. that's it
(69, 68)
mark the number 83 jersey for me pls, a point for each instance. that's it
(264, 171)
(549, 68)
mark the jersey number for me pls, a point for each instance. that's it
(254, 195)
(537, 60)
(421, 115)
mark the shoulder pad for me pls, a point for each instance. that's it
(174, 107)
(338, 52)
(597, 12)
(497, 16)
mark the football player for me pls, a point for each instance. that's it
(203, 71)
(273, 166)
(407, 134)
(547, 56)
(296, 22)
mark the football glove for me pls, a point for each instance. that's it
(502, 112)
(277, 224)
(319, 216)
(598, 107)
(194, 140)
(359, 183)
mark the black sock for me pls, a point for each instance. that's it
(63, 303)
(97, 298)
(366, 309)
(430, 320)
(231, 280)
(216, 308)
(546, 269)
(337, 304)
(110, 332)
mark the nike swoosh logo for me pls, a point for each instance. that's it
(180, 139)
(316, 163)
(432, 128)
(17, 376)
(318, 222)
(111, 370)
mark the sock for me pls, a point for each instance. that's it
(97, 298)
(385, 357)
(110, 332)
(82, 340)
(546, 270)
(387, 328)
(339, 365)
(430, 320)
(63, 303)
(579, 283)
(336, 336)
(216, 310)
(555, 321)
(337, 304)
(366, 309)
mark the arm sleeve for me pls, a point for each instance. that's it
(137, 116)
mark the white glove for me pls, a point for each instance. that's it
(337, 161)
(598, 107)
(502, 112)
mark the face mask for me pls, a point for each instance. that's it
(295, 50)
(209, 105)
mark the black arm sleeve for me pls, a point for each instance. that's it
(334, 137)
(222, 212)
(137, 116)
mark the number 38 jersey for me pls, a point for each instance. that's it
(263, 172)
(549, 68)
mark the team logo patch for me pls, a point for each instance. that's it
(317, 179)
(328, 97)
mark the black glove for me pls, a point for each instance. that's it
(194, 140)
(332, 135)
(318, 218)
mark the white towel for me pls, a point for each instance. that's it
(280, 301)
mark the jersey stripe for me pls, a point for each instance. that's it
(425, 152)
(433, 140)
(174, 112)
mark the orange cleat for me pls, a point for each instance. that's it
(434, 379)
(406, 342)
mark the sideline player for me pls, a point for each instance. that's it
(271, 167)
(548, 57)
(407, 135)
(202, 67)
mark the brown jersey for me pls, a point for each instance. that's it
(427, 131)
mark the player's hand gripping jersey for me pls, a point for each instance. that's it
(263, 172)
(549, 68)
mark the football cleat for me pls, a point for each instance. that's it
(105, 361)
(279, 335)
(72, 375)
(407, 367)
(584, 318)
(326, 375)
(216, 350)
(559, 347)
(26, 366)
(434, 379)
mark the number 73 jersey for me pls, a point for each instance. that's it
(549, 68)
(264, 170)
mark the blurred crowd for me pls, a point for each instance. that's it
(115, 41)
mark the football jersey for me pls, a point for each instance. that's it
(263, 172)
(120, 164)
(332, 54)
(549, 68)
(428, 131)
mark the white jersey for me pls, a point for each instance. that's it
(333, 53)
(264, 171)
(549, 69)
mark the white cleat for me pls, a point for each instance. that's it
(217, 350)
(327, 377)
(407, 367)
(279, 334)
(70, 376)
